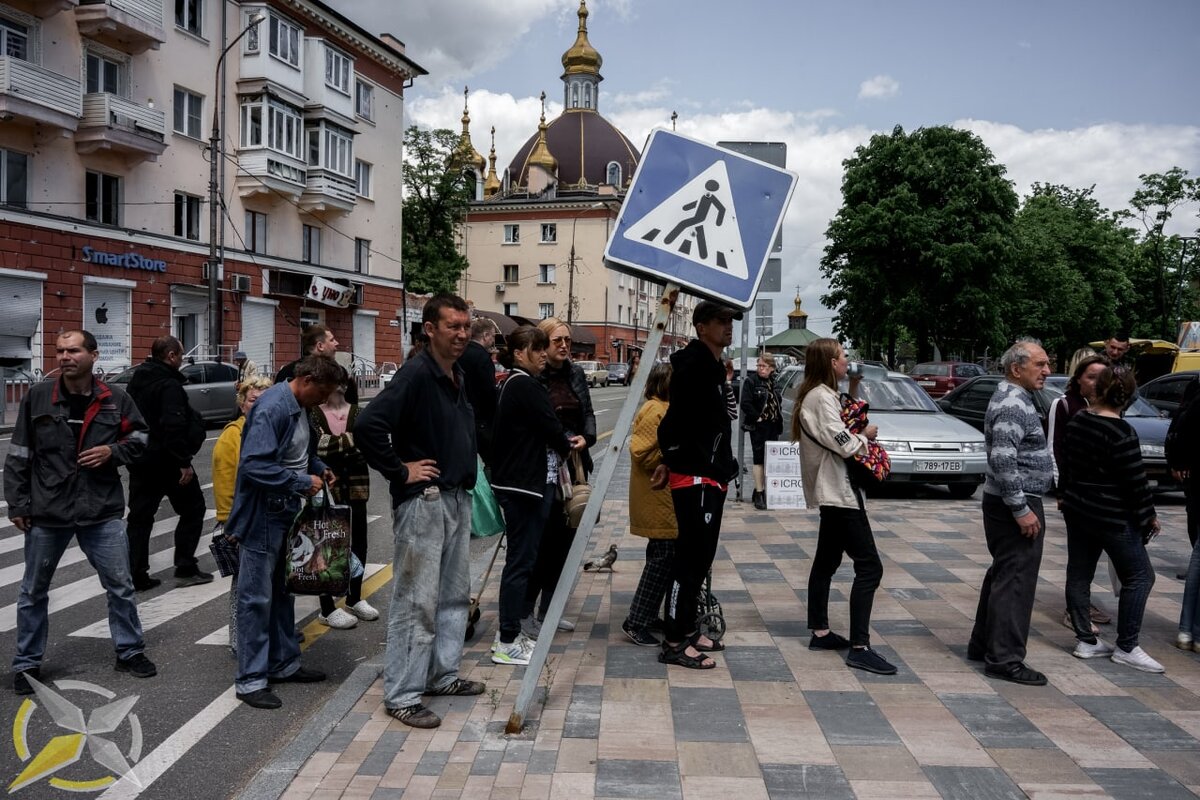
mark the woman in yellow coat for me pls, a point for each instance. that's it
(651, 513)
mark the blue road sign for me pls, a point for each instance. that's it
(700, 216)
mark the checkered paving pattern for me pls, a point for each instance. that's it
(777, 721)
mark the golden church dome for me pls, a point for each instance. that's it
(581, 57)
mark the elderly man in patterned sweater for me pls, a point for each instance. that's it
(1019, 471)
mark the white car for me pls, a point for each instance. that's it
(595, 372)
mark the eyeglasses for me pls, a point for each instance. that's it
(561, 340)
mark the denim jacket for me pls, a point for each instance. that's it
(261, 476)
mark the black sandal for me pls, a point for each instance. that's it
(679, 657)
(715, 647)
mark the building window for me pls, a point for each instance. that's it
(104, 74)
(331, 148)
(587, 95)
(510, 273)
(362, 256)
(187, 15)
(512, 234)
(256, 232)
(614, 173)
(14, 178)
(14, 39)
(549, 232)
(362, 178)
(337, 70)
(510, 309)
(545, 310)
(284, 125)
(545, 273)
(188, 111)
(284, 41)
(187, 216)
(102, 196)
(364, 100)
(251, 41)
(311, 244)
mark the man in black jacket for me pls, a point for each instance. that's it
(480, 372)
(419, 432)
(694, 439)
(165, 470)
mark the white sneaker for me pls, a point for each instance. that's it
(1085, 650)
(515, 653)
(1138, 659)
(364, 611)
(340, 619)
(1183, 641)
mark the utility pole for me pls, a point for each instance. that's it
(571, 280)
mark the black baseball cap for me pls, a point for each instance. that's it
(707, 310)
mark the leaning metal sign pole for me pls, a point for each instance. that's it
(591, 514)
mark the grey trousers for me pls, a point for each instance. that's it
(431, 590)
(1006, 597)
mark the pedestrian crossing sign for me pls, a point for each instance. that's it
(700, 216)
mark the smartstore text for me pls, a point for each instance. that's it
(126, 260)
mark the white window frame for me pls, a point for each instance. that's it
(362, 256)
(339, 68)
(608, 170)
(9, 22)
(337, 151)
(512, 233)
(550, 228)
(5, 199)
(255, 236)
(187, 216)
(185, 103)
(283, 40)
(271, 123)
(252, 43)
(364, 99)
(511, 309)
(193, 25)
(106, 57)
(310, 244)
(545, 310)
(100, 201)
(362, 178)
(545, 274)
(515, 276)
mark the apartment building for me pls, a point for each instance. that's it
(106, 112)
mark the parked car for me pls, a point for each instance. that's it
(939, 377)
(925, 444)
(618, 373)
(210, 387)
(969, 402)
(595, 372)
(1151, 426)
(1166, 392)
(1058, 382)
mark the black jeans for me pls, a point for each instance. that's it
(698, 512)
(1129, 558)
(652, 586)
(524, 523)
(1191, 491)
(358, 546)
(1006, 596)
(551, 556)
(147, 488)
(845, 530)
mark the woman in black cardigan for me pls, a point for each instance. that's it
(529, 444)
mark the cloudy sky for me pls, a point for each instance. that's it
(1079, 92)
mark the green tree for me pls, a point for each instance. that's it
(435, 199)
(920, 242)
(1069, 276)
(1160, 275)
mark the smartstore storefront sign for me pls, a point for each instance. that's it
(129, 260)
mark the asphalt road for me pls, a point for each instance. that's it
(197, 740)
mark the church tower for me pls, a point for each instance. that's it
(581, 70)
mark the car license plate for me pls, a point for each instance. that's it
(927, 383)
(938, 466)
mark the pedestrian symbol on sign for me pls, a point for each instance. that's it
(698, 222)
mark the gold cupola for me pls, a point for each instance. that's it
(465, 155)
(541, 155)
(581, 70)
(491, 184)
(799, 317)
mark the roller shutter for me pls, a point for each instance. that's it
(364, 338)
(20, 314)
(258, 334)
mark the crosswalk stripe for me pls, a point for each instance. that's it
(165, 607)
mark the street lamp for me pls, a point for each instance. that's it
(215, 154)
(571, 266)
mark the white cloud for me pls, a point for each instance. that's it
(878, 88)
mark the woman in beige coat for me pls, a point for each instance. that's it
(825, 444)
(651, 513)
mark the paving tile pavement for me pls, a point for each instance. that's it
(780, 722)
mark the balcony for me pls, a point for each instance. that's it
(133, 26)
(116, 125)
(266, 172)
(36, 96)
(44, 9)
(328, 191)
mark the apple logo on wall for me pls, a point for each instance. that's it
(102, 314)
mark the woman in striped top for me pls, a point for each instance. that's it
(1108, 509)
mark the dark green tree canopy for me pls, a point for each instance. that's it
(435, 198)
(921, 243)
